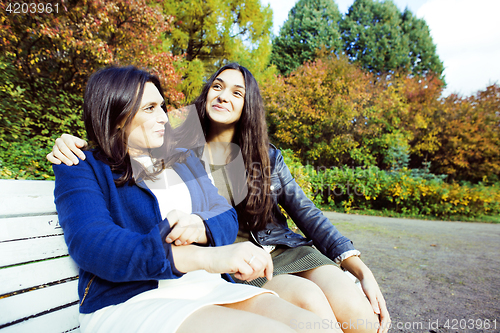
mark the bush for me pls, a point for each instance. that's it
(30, 122)
(407, 192)
(25, 160)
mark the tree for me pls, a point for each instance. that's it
(469, 136)
(64, 48)
(209, 33)
(46, 58)
(382, 39)
(311, 25)
(332, 113)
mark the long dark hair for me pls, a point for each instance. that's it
(112, 98)
(251, 136)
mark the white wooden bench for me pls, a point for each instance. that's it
(38, 279)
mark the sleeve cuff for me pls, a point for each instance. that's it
(164, 227)
(346, 255)
(210, 237)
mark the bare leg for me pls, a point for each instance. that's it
(298, 319)
(349, 304)
(219, 319)
(302, 293)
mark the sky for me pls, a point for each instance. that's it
(466, 34)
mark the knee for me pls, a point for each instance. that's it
(358, 312)
(309, 296)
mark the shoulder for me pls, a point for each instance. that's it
(190, 165)
(275, 156)
(90, 165)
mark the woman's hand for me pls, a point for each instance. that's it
(185, 229)
(371, 289)
(67, 149)
(377, 301)
(246, 260)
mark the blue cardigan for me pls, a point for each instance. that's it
(116, 234)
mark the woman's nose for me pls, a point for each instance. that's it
(223, 96)
(162, 117)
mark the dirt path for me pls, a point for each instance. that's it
(435, 276)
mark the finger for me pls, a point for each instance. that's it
(174, 234)
(74, 144)
(244, 271)
(372, 297)
(182, 229)
(187, 237)
(58, 155)
(257, 268)
(64, 153)
(172, 218)
(384, 325)
(269, 269)
(374, 304)
(385, 319)
(50, 157)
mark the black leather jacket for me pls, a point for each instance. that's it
(310, 220)
(316, 227)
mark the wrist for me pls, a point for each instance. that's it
(188, 258)
(202, 239)
(356, 267)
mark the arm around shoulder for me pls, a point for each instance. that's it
(101, 224)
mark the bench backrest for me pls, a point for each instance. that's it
(38, 279)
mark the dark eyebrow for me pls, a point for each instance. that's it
(236, 85)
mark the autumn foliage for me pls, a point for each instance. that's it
(331, 113)
(46, 59)
(66, 47)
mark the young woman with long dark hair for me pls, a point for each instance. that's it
(232, 116)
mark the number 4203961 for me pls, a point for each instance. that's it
(32, 8)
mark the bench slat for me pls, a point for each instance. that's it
(37, 301)
(36, 274)
(56, 322)
(28, 227)
(32, 249)
(26, 197)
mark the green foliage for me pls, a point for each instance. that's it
(382, 39)
(311, 25)
(214, 33)
(406, 192)
(25, 159)
(29, 123)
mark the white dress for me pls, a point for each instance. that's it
(164, 309)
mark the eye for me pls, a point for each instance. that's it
(239, 93)
(149, 108)
(216, 86)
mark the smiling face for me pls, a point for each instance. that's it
(226, 98)
(147, 129)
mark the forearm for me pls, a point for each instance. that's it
(356, 267)
(189, 258)
(246, 260)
